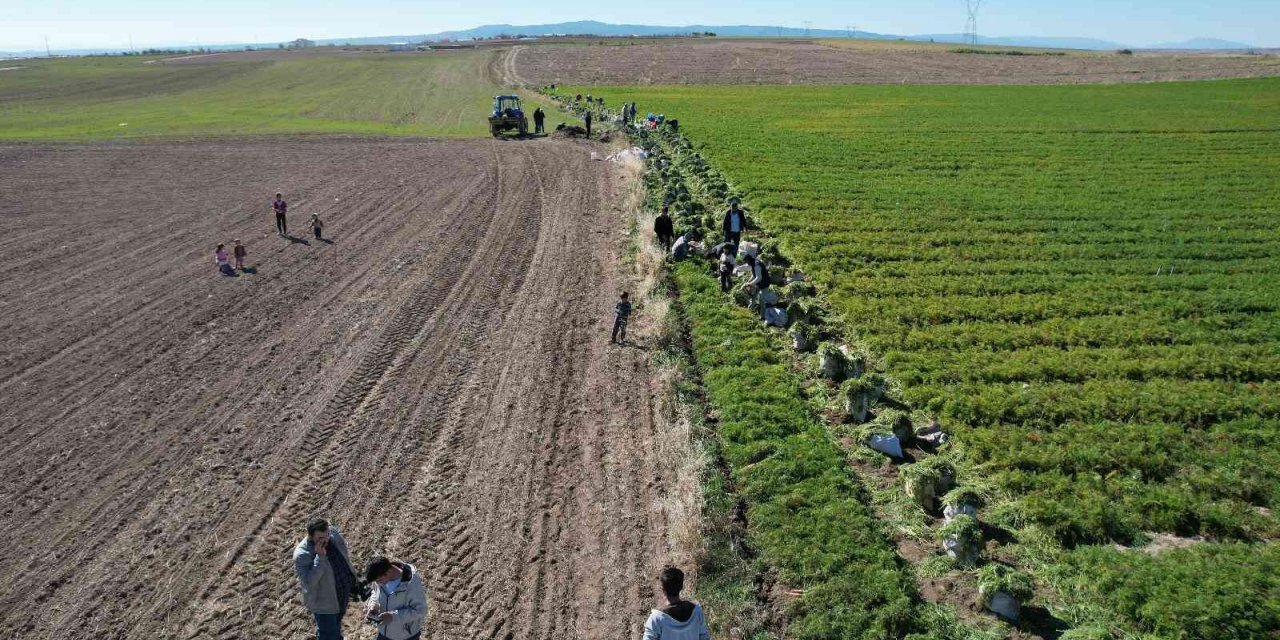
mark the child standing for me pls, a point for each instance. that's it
(620, 313)
(220, 258)
(727, 263)
(240, 255)
(281, 208)
(316, 225)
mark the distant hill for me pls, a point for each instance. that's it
(1203, 43)
(591, 27)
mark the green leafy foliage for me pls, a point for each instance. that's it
(997, 578)
(1080, 281)
(808, 518)
(1207, 591)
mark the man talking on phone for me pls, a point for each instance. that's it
(327, 580)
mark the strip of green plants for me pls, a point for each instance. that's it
(808, 517)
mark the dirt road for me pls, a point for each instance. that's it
(437, 381)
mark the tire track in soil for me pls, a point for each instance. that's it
(514, 443)
(333, 439)
(127, 488)
(450, 347)
(120, 498)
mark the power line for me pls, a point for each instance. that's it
(971, 25)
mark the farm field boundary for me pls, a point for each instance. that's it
(906, 196)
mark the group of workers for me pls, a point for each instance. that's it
(733, 224)
(395, 596)
(627, 113)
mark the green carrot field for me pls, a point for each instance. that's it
(1080, 282)
(437, 94)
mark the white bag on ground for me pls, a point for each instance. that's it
(888, 445)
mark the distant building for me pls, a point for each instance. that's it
(302, 43)
(401, 46)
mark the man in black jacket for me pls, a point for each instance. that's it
(735, 222)
(538, 118)
(664, 229)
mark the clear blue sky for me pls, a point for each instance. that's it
(110, 23)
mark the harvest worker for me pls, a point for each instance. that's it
(735, 221)
(280, 206)
(663, 228)
(326, 578)
(586, 117)
(759, 282)
(683, 246)
(399, 604)
(538, 118)
(679, 619)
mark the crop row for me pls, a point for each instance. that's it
(1156, 407)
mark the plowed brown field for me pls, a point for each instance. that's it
(437, 381)
(730, 61)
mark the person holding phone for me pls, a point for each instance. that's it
(325, 575)
(399, 603)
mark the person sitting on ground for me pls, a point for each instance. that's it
(240, 254)
(317, 225)
(664, 229)
(220, 258)
(679, 619)
(399, 604)
(621, 312)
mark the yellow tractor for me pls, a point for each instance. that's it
(507, 115)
